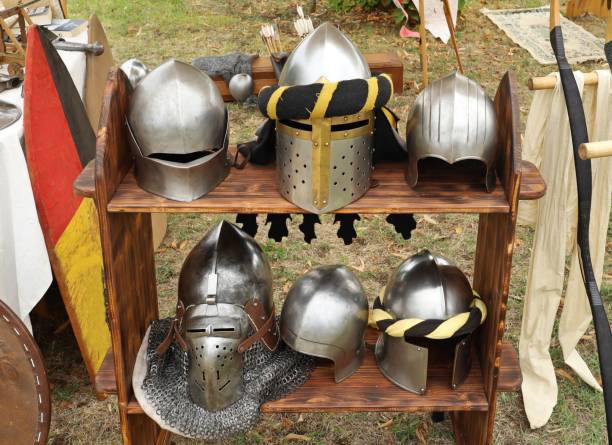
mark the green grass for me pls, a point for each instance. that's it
(154, 30)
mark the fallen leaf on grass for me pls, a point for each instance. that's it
(429, 219)
(301, 418)
(422, 433)
(361, 266)
(386, 424)
(182, 244)
(174, 244)
(292, 436)
(458, 230)
(565, 375)
(587, 337)
(286, 423)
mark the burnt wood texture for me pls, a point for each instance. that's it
(124, 214)
(127, 246)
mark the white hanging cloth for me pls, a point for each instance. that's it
(547, 144)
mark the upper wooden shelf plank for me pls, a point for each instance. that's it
(263, 74)
(84, 185)
(254, 190)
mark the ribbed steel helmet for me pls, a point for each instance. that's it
(452, 119)
(225, 288)
(179, 129)
(325, 315)
(425, 289)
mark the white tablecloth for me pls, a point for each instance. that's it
(25, 271)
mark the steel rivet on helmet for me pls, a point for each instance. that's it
(325, 315)
(427, 299)
(178, 129)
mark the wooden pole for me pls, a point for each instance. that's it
(451, 28)
(592, 150)
(549, 82)
(423, 43)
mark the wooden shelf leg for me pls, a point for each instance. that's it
(132, 299)
(129, 261)
(492, 269)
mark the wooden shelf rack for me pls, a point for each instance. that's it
(125, 227)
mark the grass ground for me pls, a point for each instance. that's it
(153, 30)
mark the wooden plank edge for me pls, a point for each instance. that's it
(84, 185)
(532, 184)
(104, 382)
(510, 377)
(509, 381)
(113, 208)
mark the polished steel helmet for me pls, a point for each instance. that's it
(324, 164)
(135, 71)
(178, 129)
(426, 300)
(225, 291)
(325, 315)
(453, 119)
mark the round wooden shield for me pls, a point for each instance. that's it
(25, 407)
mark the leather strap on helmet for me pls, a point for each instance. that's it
(174, 333)
(265, 328)
(325, 99)
(458, 325)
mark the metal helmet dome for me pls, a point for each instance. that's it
(178, 130)
(325, 53)
(325, 315)
(452, 119)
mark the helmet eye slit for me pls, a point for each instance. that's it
(183, 158)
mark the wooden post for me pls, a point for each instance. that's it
(493, 265)
(129, 269)
(423, 43)
(451, 28)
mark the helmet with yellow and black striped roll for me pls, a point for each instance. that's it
(427, 300)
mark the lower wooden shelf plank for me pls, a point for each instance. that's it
(104, 382)
(368, 390)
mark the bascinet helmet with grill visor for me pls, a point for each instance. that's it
(428, 302)
(225, 290)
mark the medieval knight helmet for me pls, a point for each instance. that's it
(325, 315)
(178, 129)
(135, 71)
(225, 291)
(324, 164)
(427, 299)
(453, 119)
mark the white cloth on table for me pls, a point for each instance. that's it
(25, 271)
(547, 143)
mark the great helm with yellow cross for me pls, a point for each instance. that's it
(324, 157)
(427, 303)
